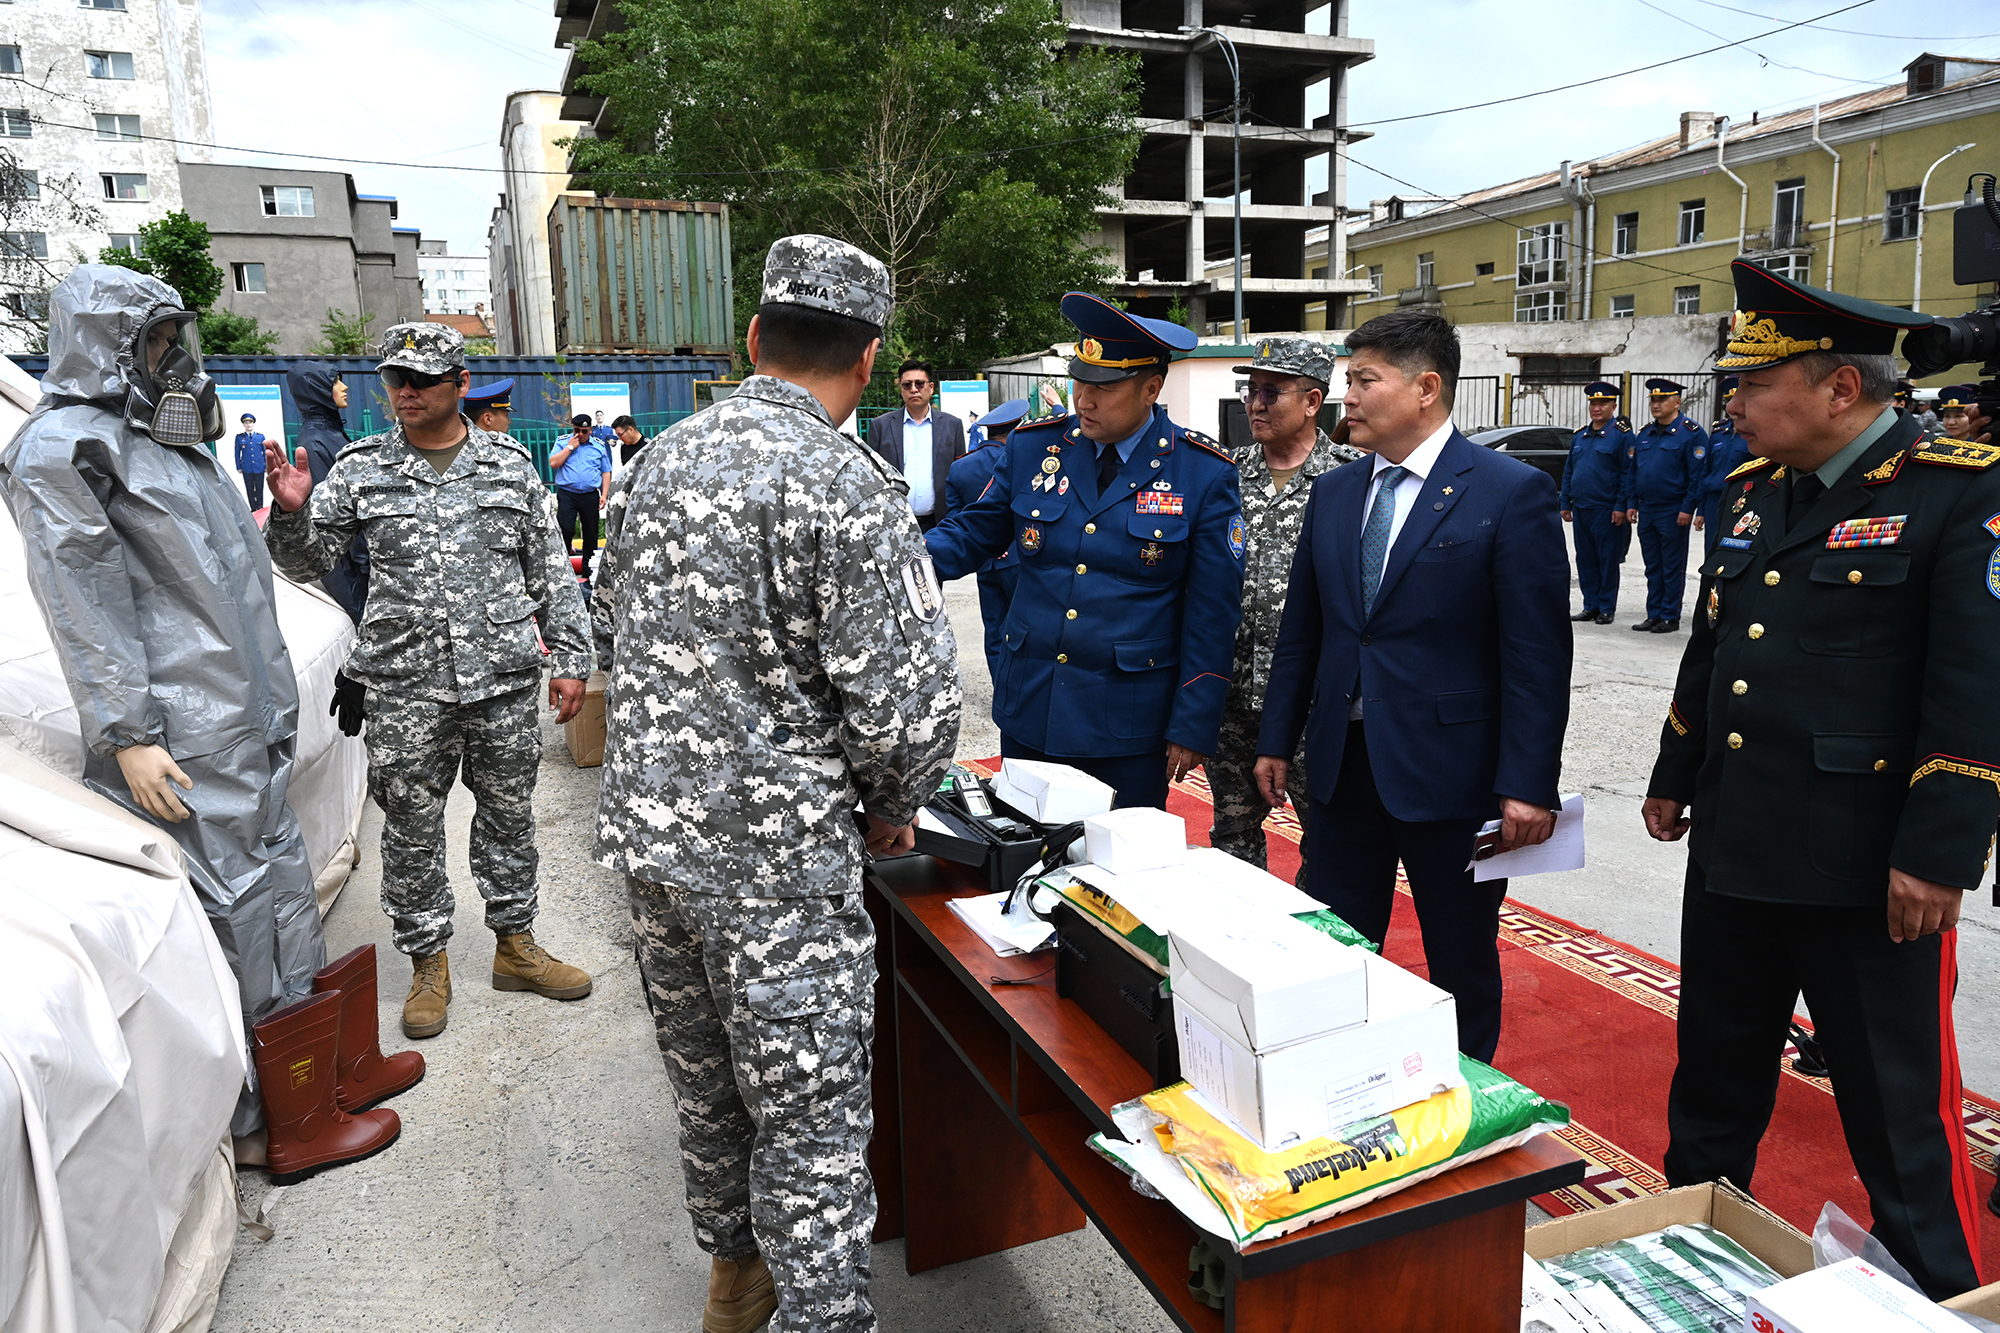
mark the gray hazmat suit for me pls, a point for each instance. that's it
(158, 592)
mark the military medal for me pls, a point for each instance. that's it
(1151, 552)
(1714, 605)
(1051, 465)
(1741, 500)
(1031, 539)
(1749, 523)
(1062, 486)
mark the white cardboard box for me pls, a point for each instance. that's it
(1135, 839)
(1051, 793)
(1851, 1294)
(1265, 980)
(1406, 1052)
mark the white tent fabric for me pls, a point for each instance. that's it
(121, 1055)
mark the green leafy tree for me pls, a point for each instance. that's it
(174, 250)
(966, 147)
(225, 333)
(341, 336)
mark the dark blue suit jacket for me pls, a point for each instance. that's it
(1464, 665)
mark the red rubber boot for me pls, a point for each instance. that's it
(366, 1075)
(295, 1051)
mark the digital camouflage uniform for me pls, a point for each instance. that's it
(778, 655)
(463, 567)
(1271, 536)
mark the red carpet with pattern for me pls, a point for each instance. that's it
(1589, 1022)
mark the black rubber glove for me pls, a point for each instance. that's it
(346, 705)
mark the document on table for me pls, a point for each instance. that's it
(1211, 884)
(1006, 935)
(1563, 850)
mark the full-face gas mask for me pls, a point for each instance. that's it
(171, 398)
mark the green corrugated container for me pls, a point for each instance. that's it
(641, 275)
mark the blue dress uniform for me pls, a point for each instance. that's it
(1122, 631)
(968, 479)
(1833, 721)
(1597, 483)
(1669, 465)
(1727, 451)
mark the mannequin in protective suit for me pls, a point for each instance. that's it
(157, 590)
(319, 394)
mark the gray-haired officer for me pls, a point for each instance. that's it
(464, 566)
(1289, 379)
(778, 656)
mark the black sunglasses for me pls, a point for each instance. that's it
(397, 377)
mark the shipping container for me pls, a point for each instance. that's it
(641, 275)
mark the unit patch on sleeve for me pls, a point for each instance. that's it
(920, 580)
(1236, 536)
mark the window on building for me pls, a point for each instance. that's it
(108, 64)
(1687, 300)
(1625, 234)
(27, 305)
(101, 4)
(14, 122)
(1539, 307)
(1795, 267)
(24, 245)
(1788, 212)
(1375, 279)
(1621, 307)
(458, 275)
(124, 128)
(125, 240)
(10, 60)
(1694, 222)
(1559, 369)
(1426, 269)
(1482, 270)
(119, 185)
(20, 183)
(1319, 274)
(249, 277)
(1539, 254)
(288, 201)
(1899, 217)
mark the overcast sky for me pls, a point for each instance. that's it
(423, 81)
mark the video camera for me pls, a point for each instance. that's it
(1958, 339)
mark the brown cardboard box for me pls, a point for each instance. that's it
(584, 733)
(1984, 1302)
(1722, 1206)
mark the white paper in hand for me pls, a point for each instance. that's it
(1563, 850)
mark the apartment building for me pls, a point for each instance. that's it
(453, 284)
(100, 102)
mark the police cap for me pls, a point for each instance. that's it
(1903, 390)
(1113, 345)
(495, 394)
(1778, 319)
(1598, 391)
(1664, 388)
(1725, 385)
(1004, 415)
(1957, 395)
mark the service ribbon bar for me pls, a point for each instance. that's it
(1866, 532)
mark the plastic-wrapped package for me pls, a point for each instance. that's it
(1146, 942)
(1261, 1195)
(1684, 1279)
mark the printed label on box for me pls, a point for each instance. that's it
(1207, 1061)
(1358, 1098)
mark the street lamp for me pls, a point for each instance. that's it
(1236, 135)
(1917, 292)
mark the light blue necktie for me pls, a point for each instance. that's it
(1375, 537)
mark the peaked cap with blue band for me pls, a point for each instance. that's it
(1599, 390)
(1006, 414)
(1113, 345)
(496, 395)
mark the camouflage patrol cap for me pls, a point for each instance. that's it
(1292, 356)
(824, 274)
(428, 349)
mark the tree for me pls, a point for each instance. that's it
(965, 147)
(226, 333)
(341, 336)
(32, 204)
(174, 250)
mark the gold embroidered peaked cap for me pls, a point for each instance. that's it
(1778, 319)
(1113, 345)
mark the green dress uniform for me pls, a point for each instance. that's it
(1833, 718)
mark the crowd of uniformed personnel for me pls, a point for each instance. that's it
(783, 697)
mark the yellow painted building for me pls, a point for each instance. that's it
(1652, 230)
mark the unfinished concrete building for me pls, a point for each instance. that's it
(1174, 220)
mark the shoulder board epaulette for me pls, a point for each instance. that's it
(508, 442)
(1754, 465)
(1054, 420)
(356, 446)
(1689, 423)
(1955, 453)
(1623, 423)
(1885, 470)
(1201, 441)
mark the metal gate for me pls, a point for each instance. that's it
(1476, 406)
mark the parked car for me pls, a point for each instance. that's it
(1545, 447)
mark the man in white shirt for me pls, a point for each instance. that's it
(918, 442)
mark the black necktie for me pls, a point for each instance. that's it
(1107, 466)
(1805, 490)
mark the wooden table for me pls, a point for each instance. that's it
(985, 1095)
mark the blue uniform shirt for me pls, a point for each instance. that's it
(1670, 466)
(586, 465)
(1598, 472)
(1122, 631)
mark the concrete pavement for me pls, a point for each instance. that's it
(537, 1185)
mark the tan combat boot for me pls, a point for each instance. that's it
(521, 964)
(741, 1295)
(430, 992)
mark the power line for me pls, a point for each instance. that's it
(1602, 78)
(1850, 32)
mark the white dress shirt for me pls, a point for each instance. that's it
(917, 462)
(1416, 468)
